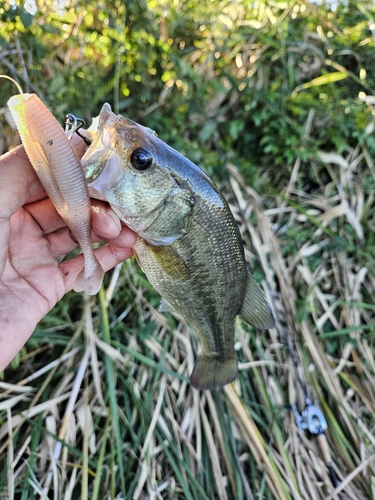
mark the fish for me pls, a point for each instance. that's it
(188, 243)
(59, 170)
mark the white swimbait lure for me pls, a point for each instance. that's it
(59, 169)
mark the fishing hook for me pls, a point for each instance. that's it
(72, 125)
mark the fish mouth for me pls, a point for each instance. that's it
(103, 131)
(107, 130)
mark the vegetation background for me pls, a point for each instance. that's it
(273, 100)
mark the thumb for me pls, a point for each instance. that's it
(18, 182)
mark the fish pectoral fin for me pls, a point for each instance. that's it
(210, 373)
(165, 306)
(171, 262)
(255, 309)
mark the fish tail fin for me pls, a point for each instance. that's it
(210, 373)
(89, 282)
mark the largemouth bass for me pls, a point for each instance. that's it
(188, 242)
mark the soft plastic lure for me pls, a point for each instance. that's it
(59, 169)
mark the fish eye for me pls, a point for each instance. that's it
(141, 159)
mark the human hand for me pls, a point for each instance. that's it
(32, 238)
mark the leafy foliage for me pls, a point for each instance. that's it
(243, 82)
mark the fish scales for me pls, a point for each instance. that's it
(210, 312)
(188, 242)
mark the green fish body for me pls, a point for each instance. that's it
(188, 242)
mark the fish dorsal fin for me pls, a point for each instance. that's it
(171, 262)
(255, 308)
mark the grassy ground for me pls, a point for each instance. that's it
(99, 404)
(114, 411)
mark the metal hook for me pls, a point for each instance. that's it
(72, 125)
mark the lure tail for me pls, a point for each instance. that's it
(89, 281)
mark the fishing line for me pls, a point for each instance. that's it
(13, 81)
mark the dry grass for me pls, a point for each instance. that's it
(109, 419)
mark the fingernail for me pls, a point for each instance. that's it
(114, 217)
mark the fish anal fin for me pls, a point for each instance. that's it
(255, 309)
(171, 262)
(210, 373)
(165, 306)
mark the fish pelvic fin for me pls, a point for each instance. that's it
(210, 373)
(255, 308)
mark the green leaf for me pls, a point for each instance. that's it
(335, 76)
